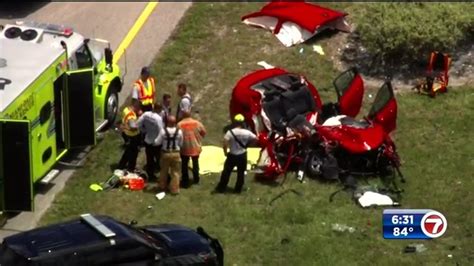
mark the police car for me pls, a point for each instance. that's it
(101, 240)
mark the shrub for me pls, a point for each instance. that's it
(395, 32)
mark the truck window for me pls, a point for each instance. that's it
(83, 57)
(45, 113)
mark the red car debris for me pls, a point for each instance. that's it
(295, 22)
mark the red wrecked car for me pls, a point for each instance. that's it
(295, 22)
(298, 133)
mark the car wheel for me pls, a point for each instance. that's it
(111, 106)
(314, 165)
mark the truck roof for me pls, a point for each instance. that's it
(22, 62)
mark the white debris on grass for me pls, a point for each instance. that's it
(265, 65)
(370, 198)
(342, 228)
(160, 195)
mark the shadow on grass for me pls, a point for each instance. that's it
(322, 36)
(270, 183)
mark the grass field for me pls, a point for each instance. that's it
(210, 51)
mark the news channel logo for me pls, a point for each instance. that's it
(413, 224)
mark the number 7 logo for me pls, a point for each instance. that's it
(434, 224)
(4, 82)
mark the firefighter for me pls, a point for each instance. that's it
(144, 90)
(236, 141)
(185, 103)
(132, 136)
(193, 132)
(171, 140)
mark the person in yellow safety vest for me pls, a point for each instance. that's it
(132, 136)
(144, 90)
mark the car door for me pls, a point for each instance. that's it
(350, 91)
(384, 108)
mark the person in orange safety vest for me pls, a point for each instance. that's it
(144, 90)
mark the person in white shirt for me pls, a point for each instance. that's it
(171, 140)
(150, 124)
(236, 141)
(186, 102)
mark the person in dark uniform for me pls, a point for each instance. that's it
(236, 141)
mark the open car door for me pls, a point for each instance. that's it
(16, 186)
(350, 91)
(384, 108)
(80, 109)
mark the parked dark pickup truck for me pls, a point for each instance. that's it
(101, 240)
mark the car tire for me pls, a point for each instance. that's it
(314, 164)
(111, 106)
(322, 166)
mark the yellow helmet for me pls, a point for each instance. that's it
(239, 118)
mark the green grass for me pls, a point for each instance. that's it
(433, 139)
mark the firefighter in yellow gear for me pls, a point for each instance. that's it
(131, 135)
(144, 90)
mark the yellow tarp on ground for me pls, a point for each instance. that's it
(212, 159)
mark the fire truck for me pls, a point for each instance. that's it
(57, 89)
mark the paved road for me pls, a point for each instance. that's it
(110, 21)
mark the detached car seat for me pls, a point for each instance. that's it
(437, 75)
(287, 101)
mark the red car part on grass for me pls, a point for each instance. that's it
(438, 73)
(295, 22)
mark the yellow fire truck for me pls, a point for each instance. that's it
(57, 89)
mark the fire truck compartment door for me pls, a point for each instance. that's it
(16, 184)
(79, 100)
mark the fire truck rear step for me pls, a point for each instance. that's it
(49, 177)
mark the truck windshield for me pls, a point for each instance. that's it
(83, 58)
(97, 46)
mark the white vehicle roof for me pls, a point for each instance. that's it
(22, 62)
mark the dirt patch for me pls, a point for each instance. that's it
(346, 51)
(222, 31)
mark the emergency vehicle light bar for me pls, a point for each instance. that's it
(48, 28)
